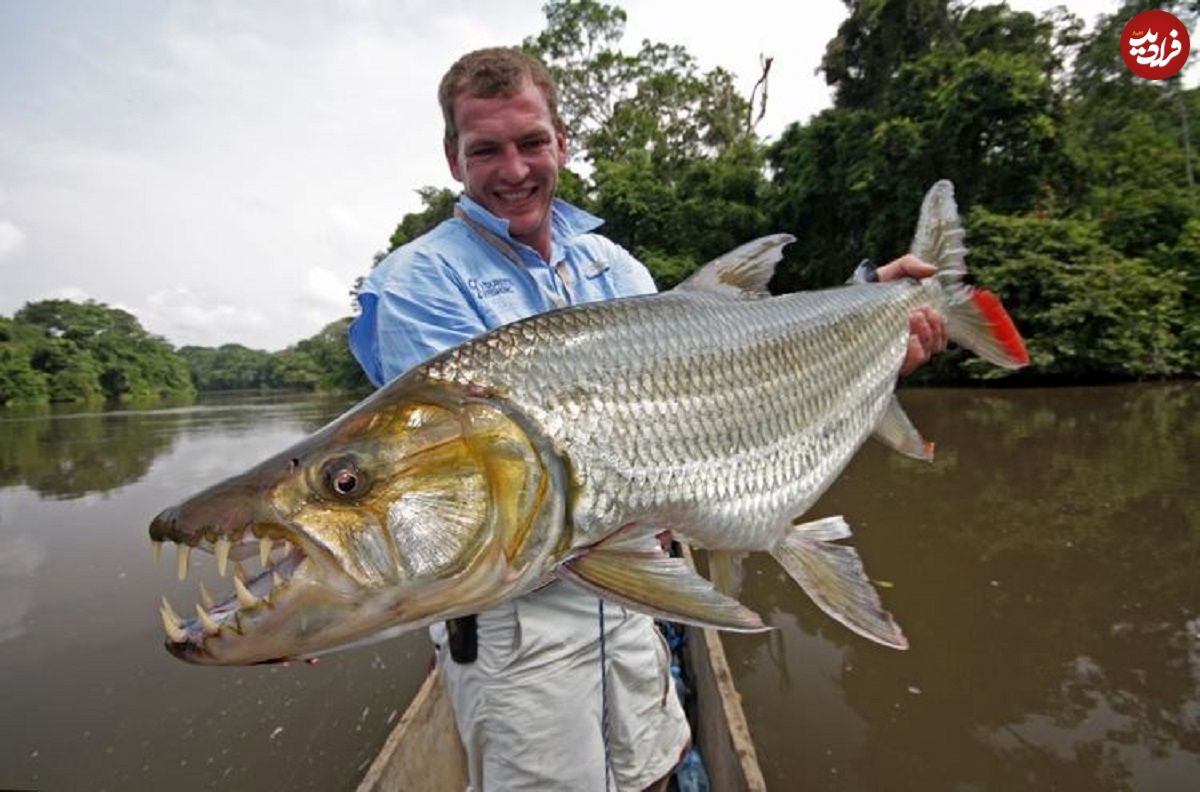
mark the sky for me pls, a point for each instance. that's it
(225, 169)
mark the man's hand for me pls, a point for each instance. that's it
(926, 327)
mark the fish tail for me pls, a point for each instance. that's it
(975, 318)
(833, 576)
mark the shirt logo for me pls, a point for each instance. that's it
(485, 289)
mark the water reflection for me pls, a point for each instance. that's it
(63, 454)
(1045, 571)
(90, 698)
(20, 559)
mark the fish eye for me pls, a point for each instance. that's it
(343, 478)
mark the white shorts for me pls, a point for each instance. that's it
(529, 708)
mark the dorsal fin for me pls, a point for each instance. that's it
(743, 271)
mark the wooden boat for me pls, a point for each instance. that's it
(423, 751)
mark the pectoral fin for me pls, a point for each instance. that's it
(833, 575)
(648, 580)
(896, 430)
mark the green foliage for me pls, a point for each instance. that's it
(677, 171)
(335, 366)
(63, 351)
(439, 205)
(321, 362)
(228, 367)
(1085, 308)
(974, 102)
(873, 41)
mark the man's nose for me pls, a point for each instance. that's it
(514, 168)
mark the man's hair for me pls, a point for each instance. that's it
(490, 73)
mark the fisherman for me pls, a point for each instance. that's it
(555, 690)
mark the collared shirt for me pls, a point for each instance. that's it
(452, 284)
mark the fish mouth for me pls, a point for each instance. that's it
(254, 597)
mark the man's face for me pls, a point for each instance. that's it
(507, 156)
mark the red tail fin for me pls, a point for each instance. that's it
(1003, 331)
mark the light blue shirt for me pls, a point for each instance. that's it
(451, 284)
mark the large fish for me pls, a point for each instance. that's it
(560, 445)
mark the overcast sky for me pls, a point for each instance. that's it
(224, 170)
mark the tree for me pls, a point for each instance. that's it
(63, 351)
(335, 366)
(439, 205)
(676, 166)
(974, 101)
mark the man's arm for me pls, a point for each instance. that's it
(412, 309)
(926, 327)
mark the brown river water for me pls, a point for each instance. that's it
(1046, 569)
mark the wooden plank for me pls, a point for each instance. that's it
(722, 734)
(423, 752)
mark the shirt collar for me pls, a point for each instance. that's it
(566, 220)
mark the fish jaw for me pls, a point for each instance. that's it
(419, 504)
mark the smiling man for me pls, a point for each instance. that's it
(530, 698)
(556, 690)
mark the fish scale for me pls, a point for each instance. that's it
(741, 401)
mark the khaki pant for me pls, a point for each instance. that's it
(529, 709)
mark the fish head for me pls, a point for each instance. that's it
(421, 503)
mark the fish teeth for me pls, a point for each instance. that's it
(244, 597)
(206, 621)
(156, 550)
(277, 581)
(221, 549)
(264, 551)
(205, 597)
(171, 623)
(184, 552)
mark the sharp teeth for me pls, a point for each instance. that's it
(244, 597)
(155, 550)
(222, 552)
(264, 551)
(239, 570)
(276, 581)
(210, 626)
(171, 623)
(184, 552)
(205, 597)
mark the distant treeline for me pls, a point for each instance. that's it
(64, 351)
(1076, 178)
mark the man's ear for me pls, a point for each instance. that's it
(450, 149)
(560, 140)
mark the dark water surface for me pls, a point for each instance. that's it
(1046, 570)
(88, 697)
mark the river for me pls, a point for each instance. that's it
(1046, 569)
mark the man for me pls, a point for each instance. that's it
(564, 692)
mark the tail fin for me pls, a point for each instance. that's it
(974, 317)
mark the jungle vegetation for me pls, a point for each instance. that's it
(1076, 179)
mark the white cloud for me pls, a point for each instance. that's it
(185, 318)
(325, 290)
(12, 239)
(73, 293)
